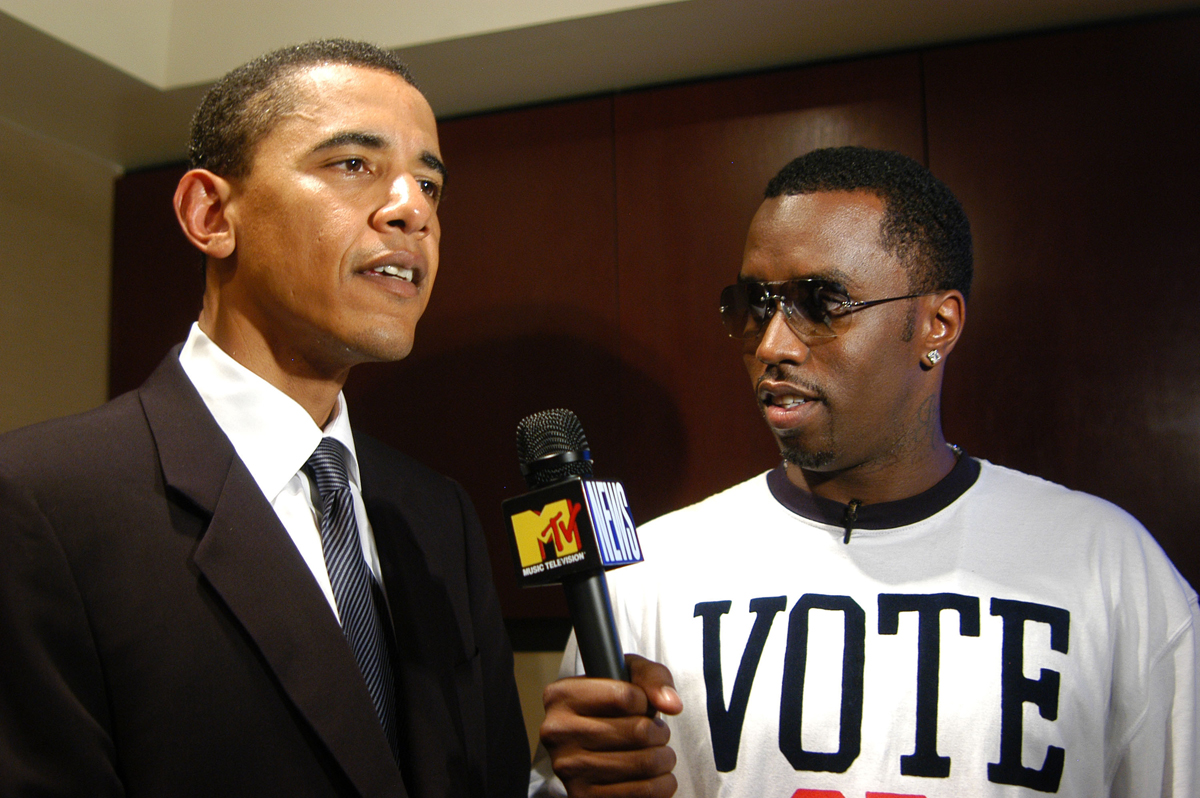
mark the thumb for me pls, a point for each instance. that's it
(656, 682)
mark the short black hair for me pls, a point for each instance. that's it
(924, 224)
(241, 108)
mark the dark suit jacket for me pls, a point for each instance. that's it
(160, 634)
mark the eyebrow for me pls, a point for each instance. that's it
(372, 141)
(434, 163)
(367, 140)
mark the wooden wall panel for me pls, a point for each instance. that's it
(1075, 156)
(157, 277)
(692, 163)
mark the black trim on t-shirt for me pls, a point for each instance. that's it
(883, 515)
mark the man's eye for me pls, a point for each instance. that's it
(431, 189)
(827, 302)
(353, 164)
(831, 297)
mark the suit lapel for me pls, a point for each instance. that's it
(251, 563)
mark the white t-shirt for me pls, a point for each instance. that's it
(996, 636)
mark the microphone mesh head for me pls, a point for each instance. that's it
(550, 433)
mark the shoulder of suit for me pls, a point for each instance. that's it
(95, 439)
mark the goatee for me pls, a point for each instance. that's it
(809, 461)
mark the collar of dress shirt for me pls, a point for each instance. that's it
(270, 431)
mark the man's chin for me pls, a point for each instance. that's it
(382, 348)
(805, 459)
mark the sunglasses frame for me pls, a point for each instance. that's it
(792, 313)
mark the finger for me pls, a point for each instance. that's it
(659, 787)
(614, 767)
(596, 697)
(562, 729)
(656, 683)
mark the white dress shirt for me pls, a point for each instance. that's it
(274, 436)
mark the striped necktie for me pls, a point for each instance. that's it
(352, 580)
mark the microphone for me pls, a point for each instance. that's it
(569, 528)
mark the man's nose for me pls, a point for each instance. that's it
(778, 342)
(407, 207)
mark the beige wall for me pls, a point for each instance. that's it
(55, 234)
(535, 669)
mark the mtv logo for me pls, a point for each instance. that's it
(573, 526)
(547, 534)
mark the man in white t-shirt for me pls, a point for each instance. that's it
(881, 615)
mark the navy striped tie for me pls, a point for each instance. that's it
(352, 580)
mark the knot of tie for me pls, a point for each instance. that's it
(328, 468)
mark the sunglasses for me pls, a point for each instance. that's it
(811, 308)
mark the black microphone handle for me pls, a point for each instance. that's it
(595, 628)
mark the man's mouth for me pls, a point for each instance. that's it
(786, 402)
(399, 272)
(787, 406)
(783, 396)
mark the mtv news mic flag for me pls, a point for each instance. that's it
(569, 528)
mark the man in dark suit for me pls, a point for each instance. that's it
(173, 618)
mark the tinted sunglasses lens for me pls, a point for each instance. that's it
(743, 307)
(735, 311)
(803, 307)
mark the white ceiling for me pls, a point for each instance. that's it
(117, 79)
(169, 43)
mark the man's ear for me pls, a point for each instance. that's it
(201, 206)
(945, 319)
